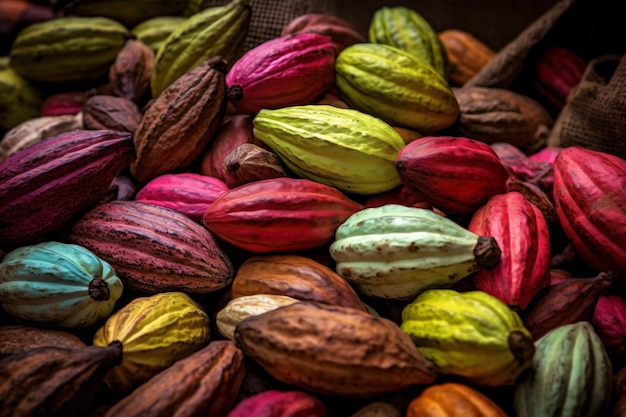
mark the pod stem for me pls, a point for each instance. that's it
(99, 289)
(487, 252)
(521, 345)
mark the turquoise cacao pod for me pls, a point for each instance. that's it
(57, 284)
(571, 375)
(396, 252)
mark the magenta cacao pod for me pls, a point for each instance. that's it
(274, 403)
(609, 321)
(153, 249)
(188, 193)
(590, 200)
(286, 71)
(69, 102)
(46, 185)
(279, 215)
(524, 238)
(456, 175)
(558, 70)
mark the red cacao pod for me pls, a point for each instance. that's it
(547, 154)
(69, 102)
(524, 239)
(45, 185)
(590, 200)
(274, 403)
(456, 175)
(235, 131)
(188, 193)
(557, 71)
(153, 249)
(286, 71)
(400, 195)
(609, 321)
(279, 215)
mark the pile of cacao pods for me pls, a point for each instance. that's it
(327, 224)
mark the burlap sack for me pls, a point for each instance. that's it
(594, 116)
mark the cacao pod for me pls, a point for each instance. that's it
(19, 338)
(452, 399)
(340, 31)
(154, 31)
(466, 54)
(274, 403)
(556, 72)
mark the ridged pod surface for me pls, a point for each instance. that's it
(153, 248)
(557, 71)
(20, 100)
(469, 334)
(155, 332)
(204, 383)
(339, 351)
(285, 71)
(609, 322)
(279, 215)
(523, 236)
(571, 375)
(452, 399)
(396, 86)
(58, 284)
(456, 175)
(186, 192)
(466, 54)
(396, 252)
(275, 403)
(406, 29)
(214, 31)
(45, 185)
(344, 148)
(68, 49)
(154, 31)
(590, 201)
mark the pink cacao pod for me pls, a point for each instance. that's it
(69, 102)
(547, 154)
(274, 403)
(456, 175)
(523, 236)
(153, 249)
(279, 215)
(188, 193)
(590, 200)
(609, 321)
(47, 184)
(557, 71)
(235, 131)
(286, 71)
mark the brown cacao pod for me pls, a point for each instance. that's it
(295, 276)
(248, 163)
(539, 173)
(46, 185)
(339, 351)
(181, 121)
(466, 55)
(153, 249)
(487, 117)
(452, 399)
(279, 215)
(568, 302)
(456, 175)
(204, 383)
(275, 403)
(590, 200)
(536, 196)
(110, 112)
(54, 381)
(342, 32)
(129, 75)
(17, 338)
(523, 236)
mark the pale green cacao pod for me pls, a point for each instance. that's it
(570, 376)
(344, 148)
(215, 31)
(396, 252)
(408, 30)
(68, 49)
(396, 86)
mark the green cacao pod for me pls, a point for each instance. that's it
(215, 31)
(472, 334)
(396, 252)
(344, 148)
(408, 30)
(571, 375)
(396, 86)
(58, 284)
(19, 99)
(153, 32)
(68, 49)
